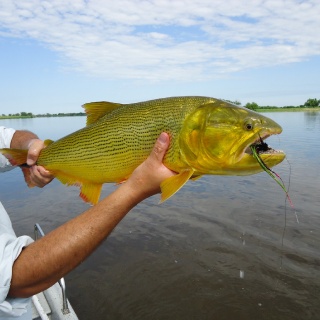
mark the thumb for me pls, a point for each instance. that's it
(160, 147)
(34, 148)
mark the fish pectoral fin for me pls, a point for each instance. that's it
(194, 178)
(90, 192)
(173, 184)
(96, 110)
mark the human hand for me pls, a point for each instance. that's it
(38, 176)
(146, 178)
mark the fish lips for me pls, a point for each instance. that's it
(270, 156)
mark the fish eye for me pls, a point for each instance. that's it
(248, 125)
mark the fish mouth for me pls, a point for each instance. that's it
(248, 163)
(268, 155)
(261, 146)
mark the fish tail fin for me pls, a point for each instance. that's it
(16, 157)
(27, 176)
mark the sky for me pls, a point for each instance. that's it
(56, 55)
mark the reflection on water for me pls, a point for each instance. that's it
(312, 120)
(222, 248)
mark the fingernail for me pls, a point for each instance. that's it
(30, 162)
(163, 137)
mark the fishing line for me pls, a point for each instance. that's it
(255, 152)
(289, 182)
(285, 217)
(271, 173)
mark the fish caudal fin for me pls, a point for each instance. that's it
(16, 157)
(27, 176)
(173, 184)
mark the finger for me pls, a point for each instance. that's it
(161, 146)
(35, 178)
(44, 173)
(35, 146)
(39, 176)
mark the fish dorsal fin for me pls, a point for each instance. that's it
(96, 110)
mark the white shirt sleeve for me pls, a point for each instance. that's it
(10, 248)
(6, 135)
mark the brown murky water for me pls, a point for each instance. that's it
(222, 248)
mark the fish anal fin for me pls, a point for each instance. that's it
(16, 157)
(121, 181)
(97, 110)
(173, 184)
(90, 192)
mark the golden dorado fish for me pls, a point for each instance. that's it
(207, 136)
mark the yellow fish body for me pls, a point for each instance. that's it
(207, 136)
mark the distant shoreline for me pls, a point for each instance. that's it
(43, 116)
(297, 109)
(275, 109)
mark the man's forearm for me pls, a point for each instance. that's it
(21, 139)
(45, 261)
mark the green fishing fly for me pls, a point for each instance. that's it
(271, 173)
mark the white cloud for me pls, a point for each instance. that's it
(165, 39)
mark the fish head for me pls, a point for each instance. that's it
(217, 136)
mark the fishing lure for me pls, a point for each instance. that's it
(262, 146)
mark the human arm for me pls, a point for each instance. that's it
(45, 261)
(23, 139)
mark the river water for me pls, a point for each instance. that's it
(221, 248)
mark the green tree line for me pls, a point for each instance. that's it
(31, 115)
(310, 103)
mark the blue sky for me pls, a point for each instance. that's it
(57, 55)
